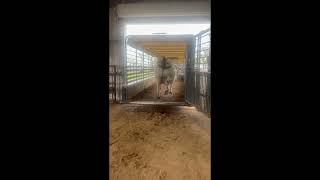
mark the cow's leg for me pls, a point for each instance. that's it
(172, 83)
(167, 87)
(167, 90)
(170, 90)
(158, 87)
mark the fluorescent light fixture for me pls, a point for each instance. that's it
(168, 29)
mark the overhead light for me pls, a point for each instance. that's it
(159, 33)
(168, 29)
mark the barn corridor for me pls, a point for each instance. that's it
(151, 138)
(158, 142)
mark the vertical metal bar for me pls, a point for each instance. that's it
(193, 74)
(124, 73)
(209, 77)
(136, 65)
(143, 68)
(186, 71)
(115, 82)
(111, 82)
(197, 90)
(196, 75)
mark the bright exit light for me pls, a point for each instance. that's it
(168, 29)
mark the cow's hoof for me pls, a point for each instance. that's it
(170, 93)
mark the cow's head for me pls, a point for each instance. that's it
(164, 63)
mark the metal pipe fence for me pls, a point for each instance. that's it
(198, 73)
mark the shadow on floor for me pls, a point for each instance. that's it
(149, 94)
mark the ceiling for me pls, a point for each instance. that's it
(113, 3)
(175, 50)
(172, 47)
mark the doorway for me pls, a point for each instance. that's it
(186, 46)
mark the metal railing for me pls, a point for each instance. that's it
(139, 65)
(198, 74)
(139, 73)
(112, 83)
(116, 83)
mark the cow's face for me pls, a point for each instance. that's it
(164, 63)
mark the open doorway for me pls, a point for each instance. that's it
(143, 53)
(145, 45)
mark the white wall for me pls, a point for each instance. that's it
(164, 9)
(115, 38)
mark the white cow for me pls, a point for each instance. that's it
(165, 74)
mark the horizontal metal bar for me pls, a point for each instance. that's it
(158, 103)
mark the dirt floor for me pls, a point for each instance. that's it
(150, 93)
(158, 143)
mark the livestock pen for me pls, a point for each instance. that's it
(166, 138)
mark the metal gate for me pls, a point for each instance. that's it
(116, 83)
(112, 83)
(198, 73)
